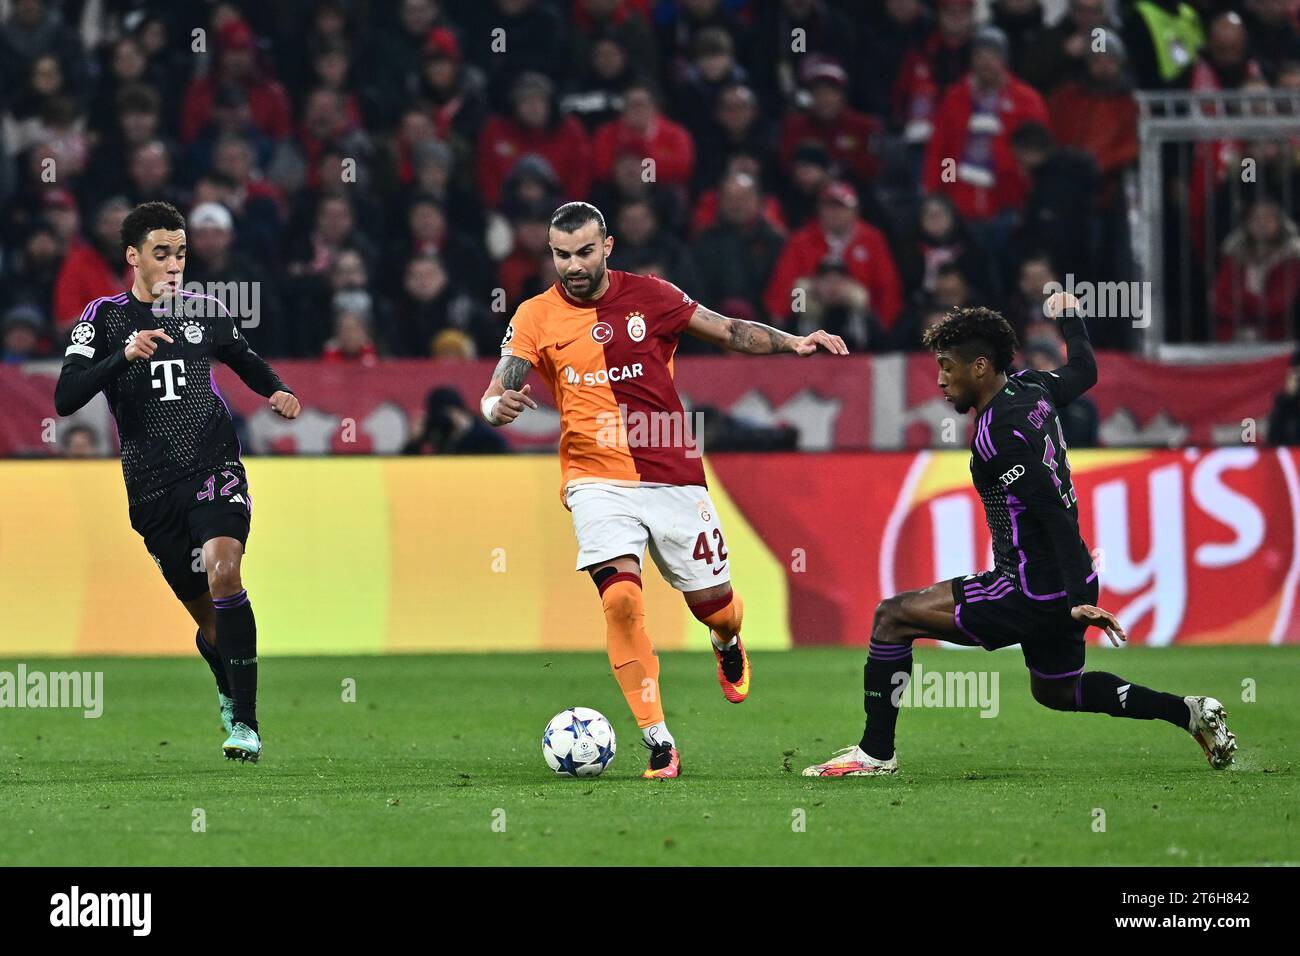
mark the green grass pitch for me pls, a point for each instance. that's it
(436, 750)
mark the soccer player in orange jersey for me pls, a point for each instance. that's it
(632, 475)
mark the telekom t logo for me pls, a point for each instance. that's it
(173, 376)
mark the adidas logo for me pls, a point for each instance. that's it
(1123, 695)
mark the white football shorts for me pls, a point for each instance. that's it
(678, 522)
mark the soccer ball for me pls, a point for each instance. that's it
(578, 742)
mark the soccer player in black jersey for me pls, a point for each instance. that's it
(1042, 589)
(150, 351)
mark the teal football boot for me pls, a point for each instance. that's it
(227, 712)
(243, 744)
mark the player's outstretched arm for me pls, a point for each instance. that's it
(507, 396)
(83, 377)
(755, 338)
(1079, 373)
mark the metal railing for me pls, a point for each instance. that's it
(1185, 119)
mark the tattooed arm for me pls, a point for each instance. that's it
(504, 399)
(755, 338)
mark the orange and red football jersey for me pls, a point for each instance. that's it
(609, 364)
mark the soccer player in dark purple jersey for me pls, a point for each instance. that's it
(1042, 590)
(150, 351)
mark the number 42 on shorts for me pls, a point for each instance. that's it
(704, 553)
(209, 491)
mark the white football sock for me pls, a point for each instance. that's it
(719, 645)
(657, 734)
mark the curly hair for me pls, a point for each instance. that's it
(147, 217)
(972, 332)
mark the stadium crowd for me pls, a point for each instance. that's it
(384, 172)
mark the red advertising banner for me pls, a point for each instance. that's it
(881, 402)
(1194, 546)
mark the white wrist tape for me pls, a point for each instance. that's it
(489, 405)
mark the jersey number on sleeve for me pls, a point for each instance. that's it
(1066, 491)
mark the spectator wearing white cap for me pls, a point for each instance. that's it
(217, 262)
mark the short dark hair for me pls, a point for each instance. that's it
(147, 217)
(138, 98)
(224, 180)
(572, 216)
(972, 332)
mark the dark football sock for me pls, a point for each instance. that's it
(1100, 693)
(880, 685)
(237, 642)
(213, 657)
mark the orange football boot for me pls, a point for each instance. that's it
(733, 670)
(665, 763)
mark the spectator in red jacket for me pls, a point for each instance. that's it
(926, 74)
(839, 235)
(1224, 64)
(969, 158)
(849, 136)
(535, 127)
(1257, 290)
(93, 269)
(1098, 113)
(644, 131)
(236, 65)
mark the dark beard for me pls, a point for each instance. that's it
(593, 283)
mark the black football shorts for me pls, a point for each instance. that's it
(175, 526)
(995, 613)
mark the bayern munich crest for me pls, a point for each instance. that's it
(636, 326)
(602, 332)
(194, 333)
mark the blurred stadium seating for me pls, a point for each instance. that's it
(380, 172)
